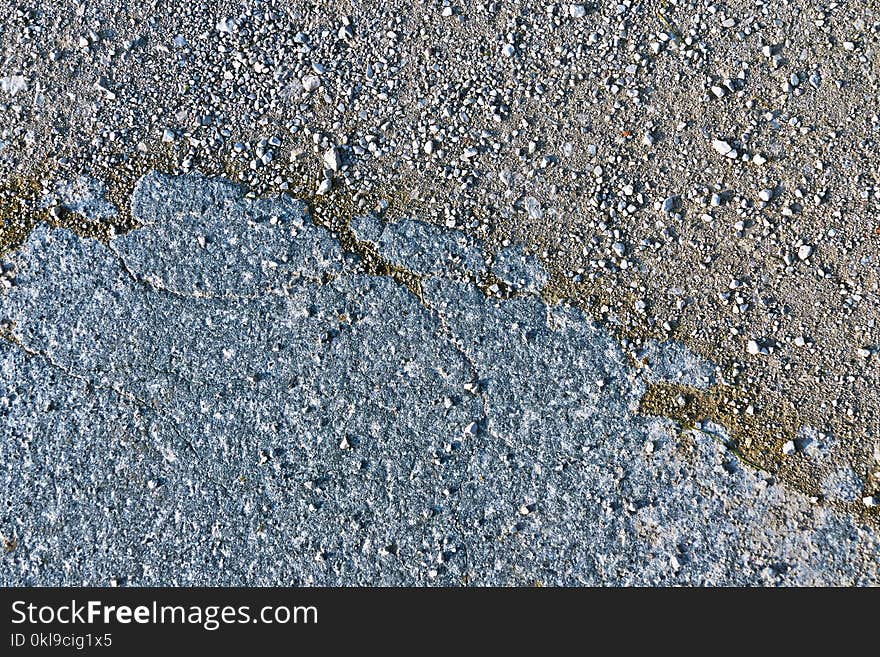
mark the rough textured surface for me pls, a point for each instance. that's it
(83, 195)
(422, 248)
(217, 398)
(686, 171)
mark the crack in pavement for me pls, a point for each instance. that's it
(449, 336)
(142, 405)
(12, 339)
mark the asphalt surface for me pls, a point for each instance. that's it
(221, 398)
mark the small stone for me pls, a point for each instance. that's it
(577, 11)
(759, 159)
(167, 135)
(869, 500)
(804, 251)
(721, 146)
(226, 26)
(788, 447)
(311, 82)
(324, 187)
(765, 195)
(103, 85)
(13, 84)
(332, 159)
(533, 207)
(508, 50)
(753, 348)
(669, 204)
(619, 249)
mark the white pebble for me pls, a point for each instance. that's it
(332, 159)
(311, 82)
(721, 146)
